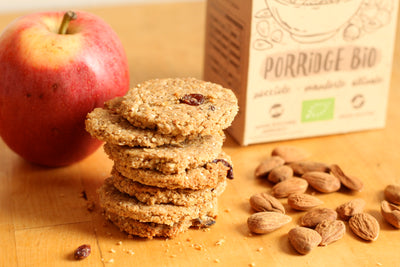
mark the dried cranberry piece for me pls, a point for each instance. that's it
(229, 174)
(192, 99)
(82, 252)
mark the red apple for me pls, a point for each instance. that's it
(50, 80)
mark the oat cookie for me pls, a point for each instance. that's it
(155, 195)
(107, 125)
(112, 200)
(206, 176)
(180, 106)
(150, 230)
(168, 159)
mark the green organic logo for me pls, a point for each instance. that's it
(317, 110)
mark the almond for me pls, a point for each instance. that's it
(317, 215)
(350, 208)
(351, 182)
(304, 239)
(301, 167)
(303, 201)
(330, 231)
(364, 226)
(265, 222)
(391, 213)
(280, 174)
(267, 165)
(288, 187)
(322, 182)
(266, 202)
(290, 153)
(392, 193)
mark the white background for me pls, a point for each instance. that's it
(7, 6)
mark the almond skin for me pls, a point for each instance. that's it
(392, 193)
(364, 226)
(267, 165)
(322, 182)
(391, 213)
(280, 174)
(330, 231)
(266, 202)
(288, 187)
(304, 239)
(303, 201)
(350, 208)
(317, 215)
(351, 182)
(265, 222)
(290, 153)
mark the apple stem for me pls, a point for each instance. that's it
(68, 16)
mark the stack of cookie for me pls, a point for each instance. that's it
(165, 137)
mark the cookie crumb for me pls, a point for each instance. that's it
(217, 261)
(112, 251)
(130, 252)
(110, 261)
(252, 264)
(227, 210)
(172, 256)
(197, 246)
(220, 242)
(119, 243)
(260, 249)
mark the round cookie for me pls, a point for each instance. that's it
(151, 195)
(184, 106)
(150, 230)
(206, 176)
(107, 125)
(168, 159)
(112, 200)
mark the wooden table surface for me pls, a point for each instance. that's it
(44, 218)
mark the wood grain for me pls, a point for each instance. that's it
(44, 217)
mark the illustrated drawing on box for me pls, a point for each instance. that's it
(314, 21)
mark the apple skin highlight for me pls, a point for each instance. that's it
(49, 82)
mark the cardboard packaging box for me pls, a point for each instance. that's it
(302, 68)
